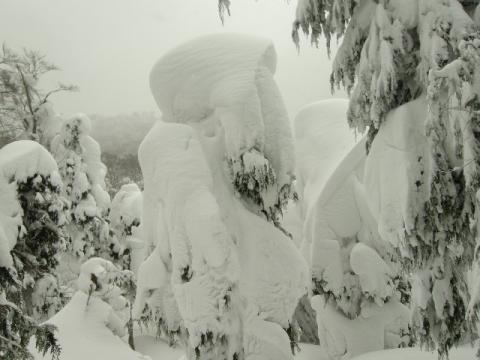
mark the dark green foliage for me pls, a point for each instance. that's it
(16, 328)
(255, 181)
(34, 258)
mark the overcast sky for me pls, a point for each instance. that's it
(107, 47)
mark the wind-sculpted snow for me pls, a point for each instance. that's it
(350, 263)
(19, 161)
(229, 78)
(393, 172)
(217, 171)
(322, 140)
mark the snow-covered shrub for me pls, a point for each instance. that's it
(155, 305)
(83, 175)
(32, 214)
(392, 52)
(217, 171)
(101, 279)
(125, 216)
(126, 247)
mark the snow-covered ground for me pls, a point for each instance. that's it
(465, 352)
(83, 332)
(84, 335)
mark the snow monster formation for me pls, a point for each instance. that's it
(221, 273)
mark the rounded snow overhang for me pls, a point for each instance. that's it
(209, 72)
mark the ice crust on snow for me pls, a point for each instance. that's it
(219, 100)
(19, 161)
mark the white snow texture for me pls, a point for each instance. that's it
(231, 271)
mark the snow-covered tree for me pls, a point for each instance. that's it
(217, 171)
(83, 175)
(125, 216)
(22, 101)
(126, 247)
(357, 284)
(393, 52)
(100, 279)
(32, 214)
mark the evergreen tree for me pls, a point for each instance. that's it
(125, 241)
(37, 252)
(31, 238)
(83, 175)
(101, 280)
(391, 53)
(125, 215)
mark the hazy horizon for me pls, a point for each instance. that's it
(108, 47)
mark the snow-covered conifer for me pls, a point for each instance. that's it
(83, 175)
(126, 246)
(32, 214)
(101, 279)
(393, 52)
(125, 216)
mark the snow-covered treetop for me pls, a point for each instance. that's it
(126, 208)
(19, 161)
(23, 159)
(224, 83)
(74, 138)
(207, 73)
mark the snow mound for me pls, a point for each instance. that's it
(375, 275)
(19, 161)
(84, 332)
(375, 329)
